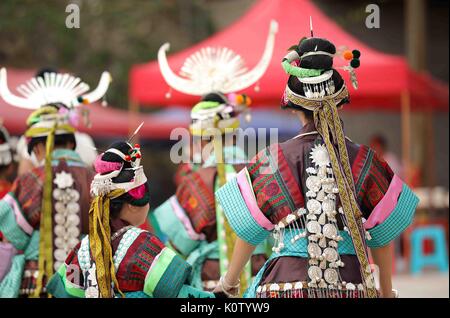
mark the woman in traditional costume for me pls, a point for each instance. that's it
(325, 198)
(7, 167)
(117, 258)
(7, 250)
(192, 219)
(45, 213)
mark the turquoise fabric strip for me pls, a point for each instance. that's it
(187, 291)
(172, 227)
(32, 250)
(173, 279)
(10, 285)
(238, 214)
(56, 287)
(72, 157)
(397, 221)
(198, 257)
(9, 227)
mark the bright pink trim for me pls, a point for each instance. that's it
(179, 213)
(102, 166)
(387, 204)
(250, 200)
(139, 192)
(20, 219)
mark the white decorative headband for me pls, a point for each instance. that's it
(102, 184)
(53, 88)
(216, 69)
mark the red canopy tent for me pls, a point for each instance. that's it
(106, 121)
(383, 78)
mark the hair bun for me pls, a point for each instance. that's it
(324, 62)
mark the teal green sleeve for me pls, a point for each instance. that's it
(167, 275)
(400, 218)
(59, 287)
(173, 228)
(10, 285)
(238, 214)
(9, 227)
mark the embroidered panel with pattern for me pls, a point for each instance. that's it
(276, 189)
(376, 175)
(196, 197)
(28, 191)
(137, 261)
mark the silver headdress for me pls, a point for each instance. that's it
(53, 88)
(216, 69)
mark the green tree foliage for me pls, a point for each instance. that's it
(113, 35)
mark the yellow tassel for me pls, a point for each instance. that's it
(100, 243)
(45, 263)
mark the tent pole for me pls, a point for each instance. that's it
(406, 135)
(430, 150)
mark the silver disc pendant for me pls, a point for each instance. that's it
(331, 276)
(315, 273)
(320, 196)
(60, 207)
(331, 255)
(313, 227)
(57, 194)
(60, 219)
(328, 206)
(313, 183)
(328, 187)
(73, 207)
(314, 250)
(74, 195)
(329, 230)
(314, 206)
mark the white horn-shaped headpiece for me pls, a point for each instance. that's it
(216, 69)
(52, 88)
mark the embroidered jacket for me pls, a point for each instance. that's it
(20, 213)
(280, 186)
(144, 268)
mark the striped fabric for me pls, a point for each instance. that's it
(397, 221)
(167, 275)
(238, 214)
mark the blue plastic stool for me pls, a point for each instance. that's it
(438, 258)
